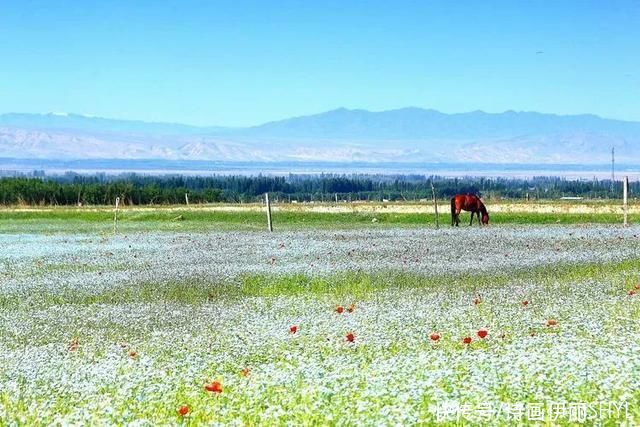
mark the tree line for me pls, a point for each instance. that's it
(132, 189)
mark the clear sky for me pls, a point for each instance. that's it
(237, 62)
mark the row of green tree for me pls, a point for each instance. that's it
(74, 189)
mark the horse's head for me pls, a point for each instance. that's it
(485, 218)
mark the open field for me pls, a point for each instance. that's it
(299, 216)
(97, 328)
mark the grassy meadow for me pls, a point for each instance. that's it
(300, 216)
(191, 316)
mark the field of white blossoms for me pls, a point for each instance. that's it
(374, 326)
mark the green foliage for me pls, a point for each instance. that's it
(77, 220)
(352, 285)
(133, 189)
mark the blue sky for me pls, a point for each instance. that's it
(239, 63)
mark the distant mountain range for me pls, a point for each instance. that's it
(342, 135)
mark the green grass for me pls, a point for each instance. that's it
(158, 219)
(348, 284)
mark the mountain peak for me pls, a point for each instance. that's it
(403, 134)
(416, 123)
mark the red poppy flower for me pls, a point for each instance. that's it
(293, 329)
(133, 354)
(215, 386)
(552, 322)
(477, 301)
(350, 337)
(525, 303)
(482, 333)
(466, 340)
(339, 309)
(351, 308)
(632, 293)
(434, 336)
(244, 372)
(183, 410)
(74, 344)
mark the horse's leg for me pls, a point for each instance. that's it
(453, 211)
(474, 213)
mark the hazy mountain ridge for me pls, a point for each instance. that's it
(408, 134)
(81, 122)
(416, 123)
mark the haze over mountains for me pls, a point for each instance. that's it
(402, 135)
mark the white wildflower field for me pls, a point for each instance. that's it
(498, 325)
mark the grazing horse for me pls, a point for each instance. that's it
(472, 203)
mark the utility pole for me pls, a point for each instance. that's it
(613, 168)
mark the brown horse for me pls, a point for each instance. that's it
(472, 203)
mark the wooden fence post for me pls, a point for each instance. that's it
(115, 216)
(268, 203)
(625, 204)
(435, 204)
